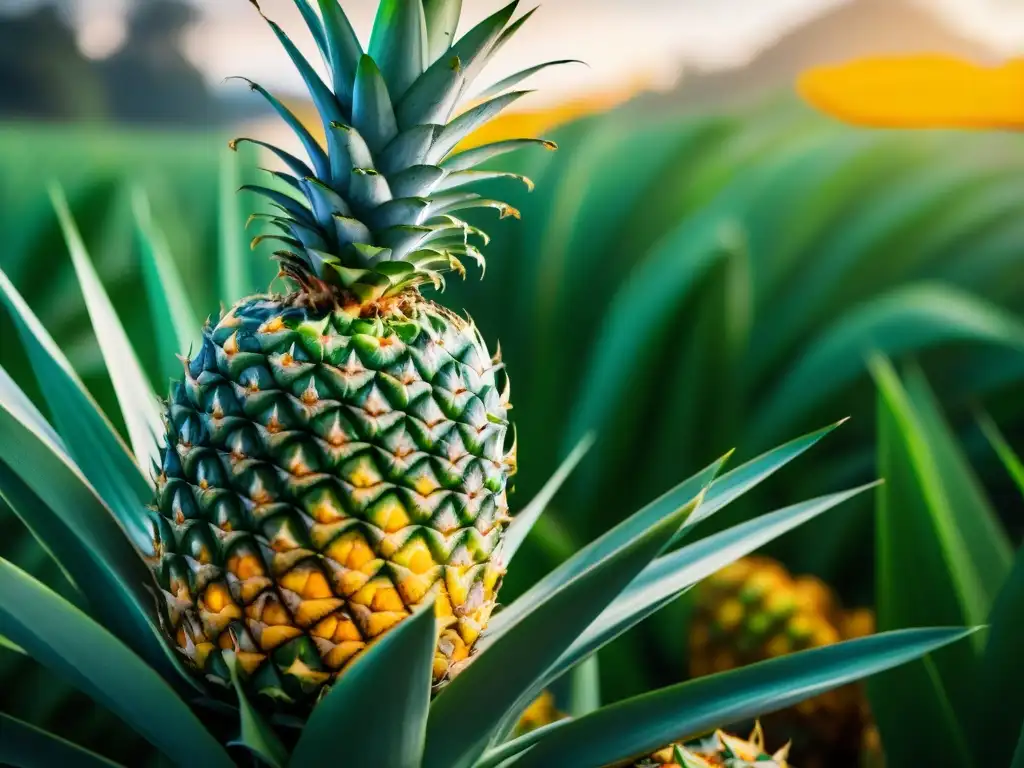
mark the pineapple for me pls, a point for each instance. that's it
(337, 455)
(720, 750)
(754, 610)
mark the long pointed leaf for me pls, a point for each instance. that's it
(256, 735)
(677, 498)
(378, 707)
(67, 641)
(399, 43)
(372, 114)
(232, 263)
(737, 482)
(86, 434)
(667, 577)
(471, 158)
(442, 23)
(435, 93)
(134, 393)
(639, 726)
(513, 80)
(22, 745)
(1010, 459)
(462, 722)
(1001, 677)
(468, 122)
(176, 325)
(923, 710)
(344, 49)
(525, 520)
(79, 529)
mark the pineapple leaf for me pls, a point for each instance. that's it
(737, 482)
(316, 28)
(513, 80)
(380, 711)
(669, 576)
(26, 746)
(344, 49)
(1001, 676)
(416, 181)
(317, 156)
(503, 755)
(909, 319)
(1009, 458)
(373, 116)
(289, 204)
(461, 722)
(139, 406)
(323, 98)
(256, 735)
(64, 639)
(466, 123)
(31, 510)
(680, 497)
(585, 688)
(234, 279)
(525, 520)
(88, 436)
(471, 158)
(408, 149)
(458, 179)
(399, 44)
(297, 166)
(929, 523)
(75, 525)
(435, 93)
(442, 18)
(643, 724)
(177, 329)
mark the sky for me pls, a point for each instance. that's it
(623, 41)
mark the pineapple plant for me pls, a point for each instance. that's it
(311, 570)
(754, 609)
(336, 456)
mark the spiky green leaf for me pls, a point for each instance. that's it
(134, 394)
(372, 114)
(461, 722)
(399, 44)
(81, 651)
(641, 725)
(379, 711)
(22, 745)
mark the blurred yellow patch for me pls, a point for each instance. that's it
(924, 91)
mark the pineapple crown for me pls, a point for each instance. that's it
(374, 213)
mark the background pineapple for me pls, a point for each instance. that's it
(721, 749)
(338, 455)
(754, 610)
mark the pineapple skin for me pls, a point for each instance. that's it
(326, 471)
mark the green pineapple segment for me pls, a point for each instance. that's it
(323, 474)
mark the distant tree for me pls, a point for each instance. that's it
(149, 80)
(45, 76)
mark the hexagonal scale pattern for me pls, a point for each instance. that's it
(322, 475)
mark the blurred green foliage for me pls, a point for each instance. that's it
(943, 558)
(681, 285)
